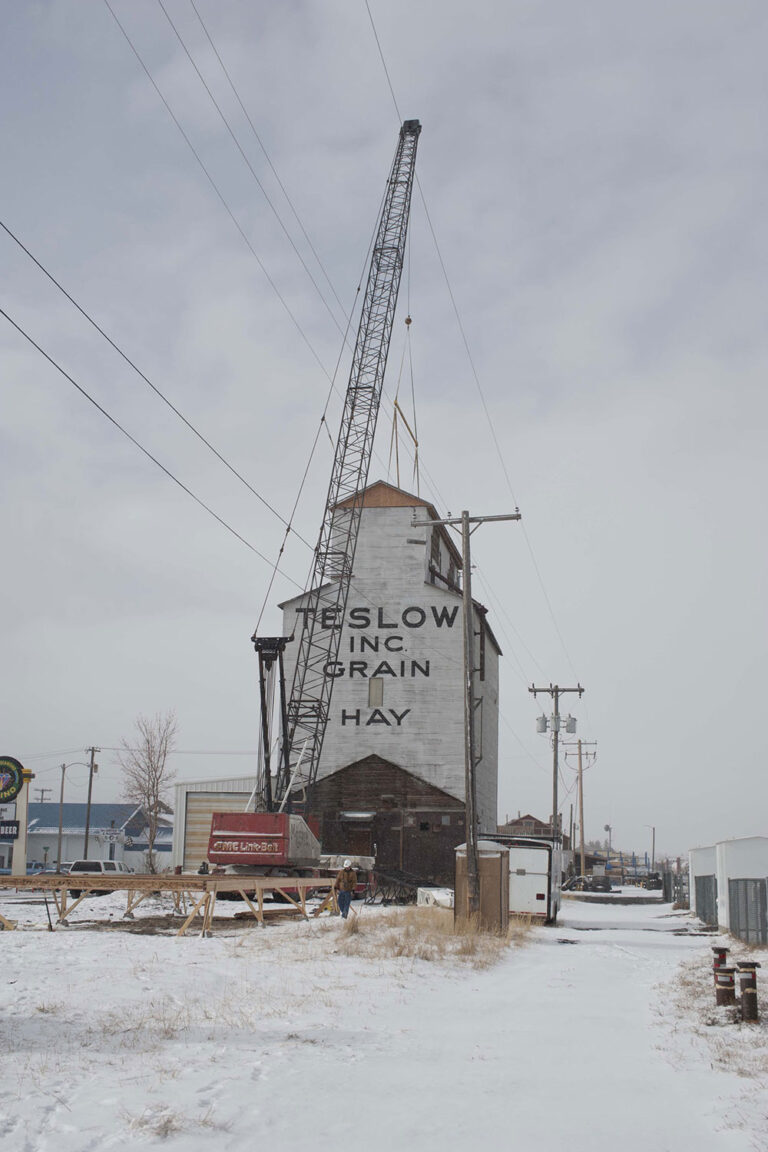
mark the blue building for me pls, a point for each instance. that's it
(116, 832)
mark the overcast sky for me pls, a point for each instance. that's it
(596, 177)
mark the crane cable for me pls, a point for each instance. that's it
(248, 164)
(394, 440)
(230, 213)
(472, 364)
(285, 193)
(221, 197)
(321, 424)
(267, 157)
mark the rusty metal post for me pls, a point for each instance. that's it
(725, 986)
(748, 986)
(719, 958)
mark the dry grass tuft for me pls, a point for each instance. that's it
(48, 1006)
(164, 1122)
(519, 930)
(429, 934)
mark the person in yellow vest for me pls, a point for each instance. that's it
(345, 883)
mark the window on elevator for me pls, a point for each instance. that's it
(375, 692)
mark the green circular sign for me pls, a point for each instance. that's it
(11, 779)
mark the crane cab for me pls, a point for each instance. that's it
(257, 840)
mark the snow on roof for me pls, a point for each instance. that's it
(45, 817)
(489, 846)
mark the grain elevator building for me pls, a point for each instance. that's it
(391, 776)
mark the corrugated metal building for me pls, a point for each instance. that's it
(194, 803)
(742, 887)
(391, 777)
(729, 886)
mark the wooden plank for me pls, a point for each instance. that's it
(259, 915)
(162, 882)
(209, 911)
(67, 909)
(329, 902)
(190, 918)
(138, 886)
(134, 900)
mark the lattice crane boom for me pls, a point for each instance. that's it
(308, 705)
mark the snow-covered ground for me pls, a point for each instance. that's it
(627, 892)
(598, 1032)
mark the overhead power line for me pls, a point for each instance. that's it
(146, 380)
(347, 314)
(190, 751)
(330, 377)
(140, 446)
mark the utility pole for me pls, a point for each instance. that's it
(581, 745)
(470, 789)
(583, 871)
(61, 818)
(653, 846)
(93, 768)
(41, 793)
(555, 691)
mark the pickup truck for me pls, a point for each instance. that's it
(96, 868)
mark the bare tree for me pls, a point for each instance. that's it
(146, 777)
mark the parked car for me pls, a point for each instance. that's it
(588, 884)
(96, 868)
(575, 884)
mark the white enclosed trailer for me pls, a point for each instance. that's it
(534, 877)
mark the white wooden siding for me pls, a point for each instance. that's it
(420, 725)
